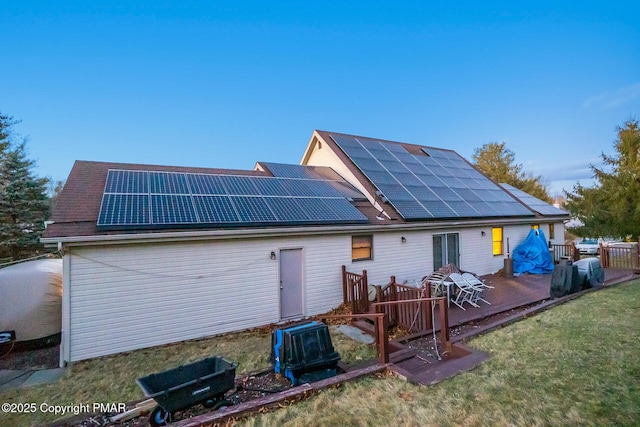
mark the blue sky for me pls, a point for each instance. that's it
(226, 84)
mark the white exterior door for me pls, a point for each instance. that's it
(290, 283)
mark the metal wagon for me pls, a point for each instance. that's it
(203, 382)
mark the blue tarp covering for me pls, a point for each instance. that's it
(532, 255)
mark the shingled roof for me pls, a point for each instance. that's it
(78, 205)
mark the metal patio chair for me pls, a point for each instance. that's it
(465, 291)
(477, 283)
(435, 280)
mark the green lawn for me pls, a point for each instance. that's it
(577, 364)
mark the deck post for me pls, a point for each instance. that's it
(378, 293)
(383, 340)
(444, 325)
(344, 285)
(364, 292)
(393, 310)
(575, 253)
(429, 308)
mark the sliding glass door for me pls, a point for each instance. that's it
(446, 250)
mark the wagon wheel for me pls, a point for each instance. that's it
(159, 417)
(210, 403)
(222, 404)
(217, 402)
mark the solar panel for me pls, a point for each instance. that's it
(172, 199)
(423, 194)
(215, 209)
(440, 209)
(252, 209)
(408, 179)
(347, 190)
(395, 192)
(316, 209)
(172, 209)
(205, 184)
(323, 189)
(296, 187)
(129, 182)
(468, 195)
(411, 209)
(404, 177)
(394, 148)
(344, 210)
(486, 209)
(168, 183)
(382, 177)
(370, 165)
(238, 185)
(463, 208)
(283, 170)
(286, 209)
(540, 206)
(124, 209)
(345, 141)
(269, 186)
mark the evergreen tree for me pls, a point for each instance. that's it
(24, 205)
(611, 207)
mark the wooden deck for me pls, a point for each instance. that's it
(512, 292)
(507, 294)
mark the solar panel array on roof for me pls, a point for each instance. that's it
(433, 184)
(540, 206)
(323, 173)
(164, 199)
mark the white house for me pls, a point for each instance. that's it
(159, 254)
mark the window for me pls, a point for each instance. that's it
(496, 236)
(552, 231)
(361, 248)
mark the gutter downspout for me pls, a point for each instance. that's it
(66, 299)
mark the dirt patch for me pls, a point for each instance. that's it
(42, 358)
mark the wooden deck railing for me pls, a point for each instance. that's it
(355, 290)
(421, 308)
(406, 316)
(381, 326)
(623, 258)
(560, 252)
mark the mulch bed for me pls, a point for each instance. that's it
(247, 388)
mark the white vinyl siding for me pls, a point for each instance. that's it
(129, 296)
